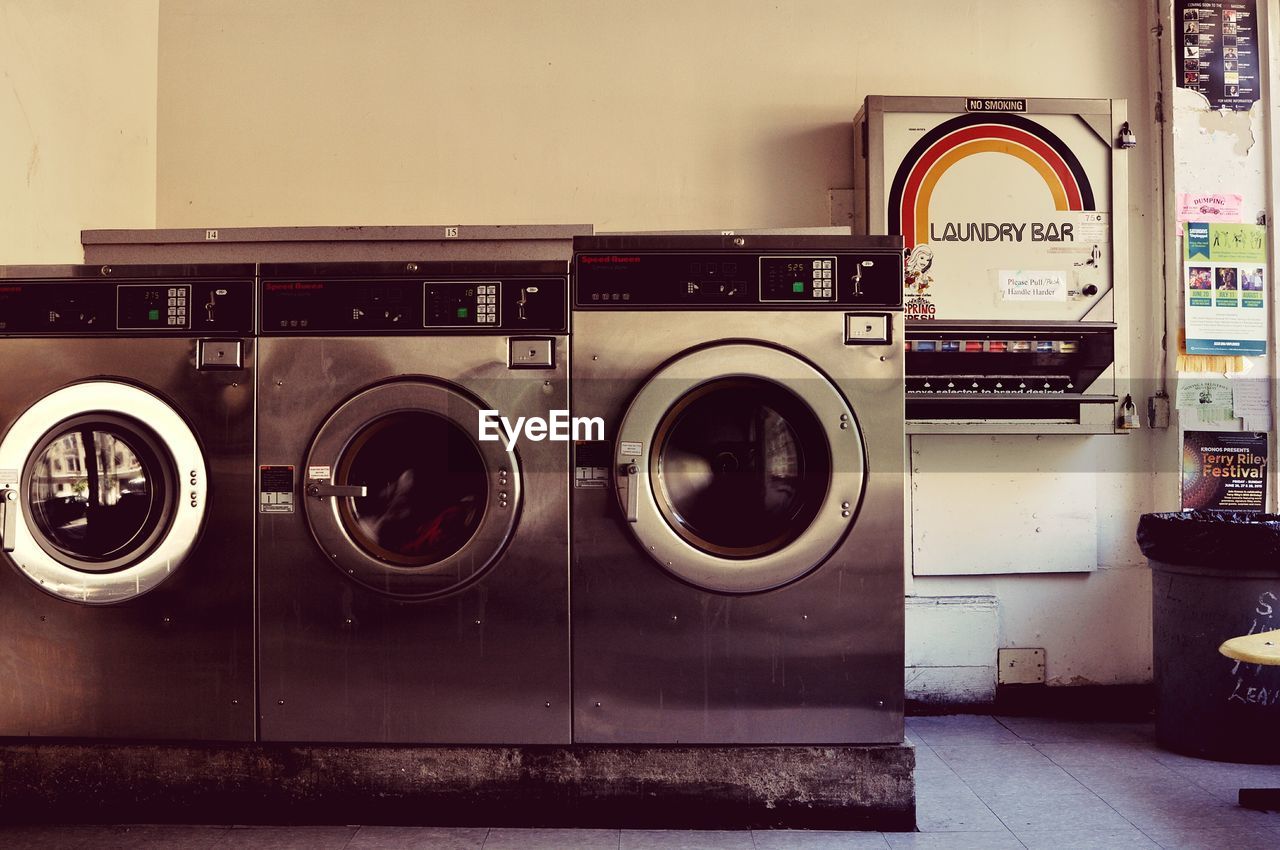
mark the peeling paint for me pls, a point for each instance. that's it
(1238, 124)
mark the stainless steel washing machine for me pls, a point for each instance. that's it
(126, 489)
(738, 535)
(413, 576)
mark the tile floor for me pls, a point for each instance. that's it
(982, 782)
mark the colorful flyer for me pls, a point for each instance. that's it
(1208, 206)
(1224, 470)
(1225, 284)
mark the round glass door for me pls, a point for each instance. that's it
(110, 495)
(97, 492)
(741, 467)
(426, 488)
(403, 497)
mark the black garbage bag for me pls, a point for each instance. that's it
(1226, 540)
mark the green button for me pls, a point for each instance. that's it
(798, 286)
(153, 315)
(462, 312)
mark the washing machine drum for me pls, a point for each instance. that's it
(742, 467)
(103, 489)
(403, 497)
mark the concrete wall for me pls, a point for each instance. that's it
(666, 115)
(77, 123)
(1216, 152)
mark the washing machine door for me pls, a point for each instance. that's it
(102, 487)
(403, 497)
(740, 467)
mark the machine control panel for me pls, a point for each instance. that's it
(640, 279)
(142, 306)
(463, 303)
(797, 278)
(53, 307)
(376, 306)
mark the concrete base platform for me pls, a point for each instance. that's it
(835, 787)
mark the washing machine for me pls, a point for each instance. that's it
(126, 494)
(413, 567)
(738, 533)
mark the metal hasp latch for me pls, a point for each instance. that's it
(219, 354)
(7, 498)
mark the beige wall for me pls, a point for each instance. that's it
(653, 115)
(77, 123)
(625, 114)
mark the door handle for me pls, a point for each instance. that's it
(7, 497)
(338, 491)
(633, 473)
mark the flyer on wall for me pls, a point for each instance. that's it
(1224, 470)
(1220, 51)
(1225, 286)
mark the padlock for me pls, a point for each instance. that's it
(1129, 415)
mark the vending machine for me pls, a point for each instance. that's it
(1013, 217)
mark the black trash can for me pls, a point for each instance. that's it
(1215, 575)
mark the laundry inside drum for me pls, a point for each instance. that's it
(426, 487)
(742, 467)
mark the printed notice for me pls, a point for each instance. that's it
(1209, 400)
(1251, 401)
(591, 463)
(1251, 397)
(1093, 227)
(275, 489)
(1219, 51)
(1033, 286)
(1224, 471)
(1215, 206)
(1225, 286)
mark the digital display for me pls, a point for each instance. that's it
(469, 303)
(807, 279)
(144, 306)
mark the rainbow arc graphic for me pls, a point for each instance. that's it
(969, 135)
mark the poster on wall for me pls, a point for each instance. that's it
(1224, 470)
(1219, 51)
(1225, 288)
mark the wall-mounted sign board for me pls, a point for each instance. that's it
(1005, 205)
